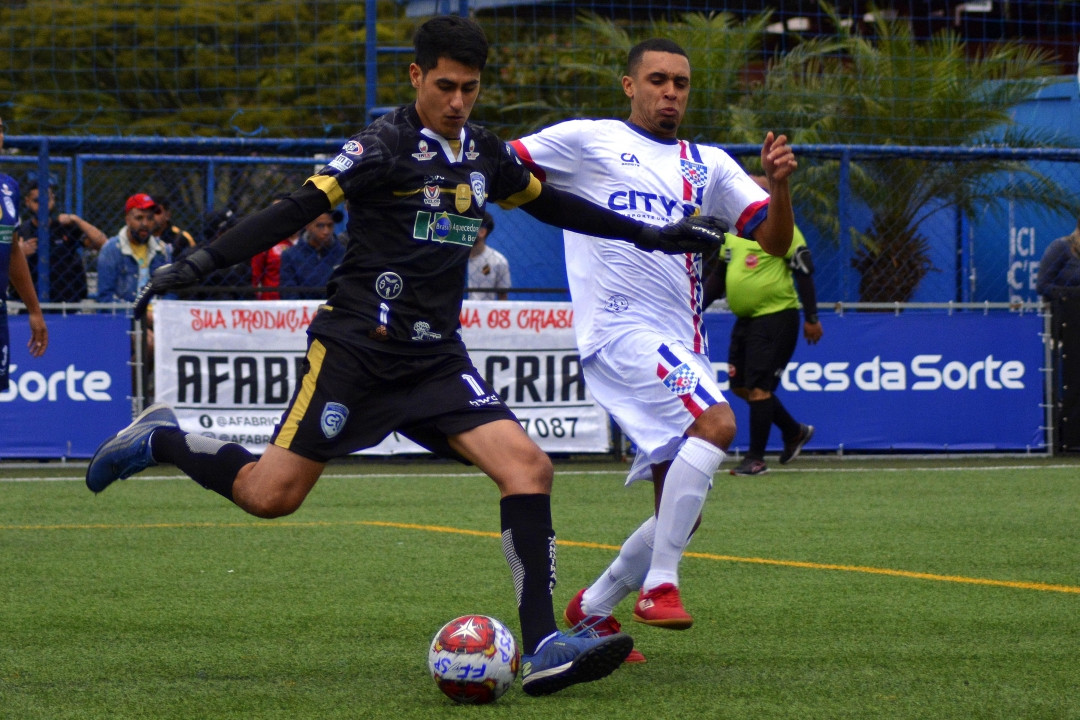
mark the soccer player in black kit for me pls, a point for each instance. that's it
(384, 353)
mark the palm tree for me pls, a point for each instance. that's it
(586, 66)
(889, 89)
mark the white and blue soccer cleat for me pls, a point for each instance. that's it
(128, 451)
(565, 659)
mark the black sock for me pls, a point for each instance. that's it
(212, 463)
(529, 546)
(789, 426)
(761, 417)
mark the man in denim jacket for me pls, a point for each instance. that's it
(128, 259)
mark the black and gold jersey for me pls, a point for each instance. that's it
(415, 201)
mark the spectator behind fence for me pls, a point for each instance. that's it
(1060, 265)
(228, 283)
(13, 266)
(266, 266)
(309, 263)
(177, 239)
(127, 259)
(68, 235)
(488, 267)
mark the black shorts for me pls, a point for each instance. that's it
(761, 348)
(351, 397)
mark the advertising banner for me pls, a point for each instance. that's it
(911, 382)
(230, 368)
(64, 403)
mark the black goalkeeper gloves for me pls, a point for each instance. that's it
(696, 234)
(175, 276)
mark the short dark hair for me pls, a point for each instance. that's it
(653, 45)
(450, 36)
(32, 181)
(488, 223)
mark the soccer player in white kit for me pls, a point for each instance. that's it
(638, 315)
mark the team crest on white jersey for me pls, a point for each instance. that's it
(682, 380)
(616, 304)
(425, 153)
(629, 159)
(333, 419)
(479, 188)
(471, 153)
(694, 173)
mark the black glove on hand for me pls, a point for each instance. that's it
(697, 234)
(175, 276)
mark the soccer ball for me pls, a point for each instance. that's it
(474, 659)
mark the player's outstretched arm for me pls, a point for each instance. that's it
(778, 161)
(254, 234)
(571, 212)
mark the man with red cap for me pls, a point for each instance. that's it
(128, 259)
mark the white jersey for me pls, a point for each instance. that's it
(489, 269)
(616, 287)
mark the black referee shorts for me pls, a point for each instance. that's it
(351, 397)
(761, 348)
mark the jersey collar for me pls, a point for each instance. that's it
(645, 133)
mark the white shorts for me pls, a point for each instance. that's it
(654, 388)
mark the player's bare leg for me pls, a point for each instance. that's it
(277, 484)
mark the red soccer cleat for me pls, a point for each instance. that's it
(574, 615)
(661, 607)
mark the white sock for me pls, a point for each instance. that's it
(625, 573)
(685, 487)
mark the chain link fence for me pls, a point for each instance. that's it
(886, 225)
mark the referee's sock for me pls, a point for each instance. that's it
(761, 420)
(214, 464)
(789, 426)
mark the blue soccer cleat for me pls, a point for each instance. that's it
(128, 451)
(569, 658)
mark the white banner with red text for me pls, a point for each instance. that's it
(229, 369)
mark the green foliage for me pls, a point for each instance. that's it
(580, 74)
(883, 87)
(188, 68)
